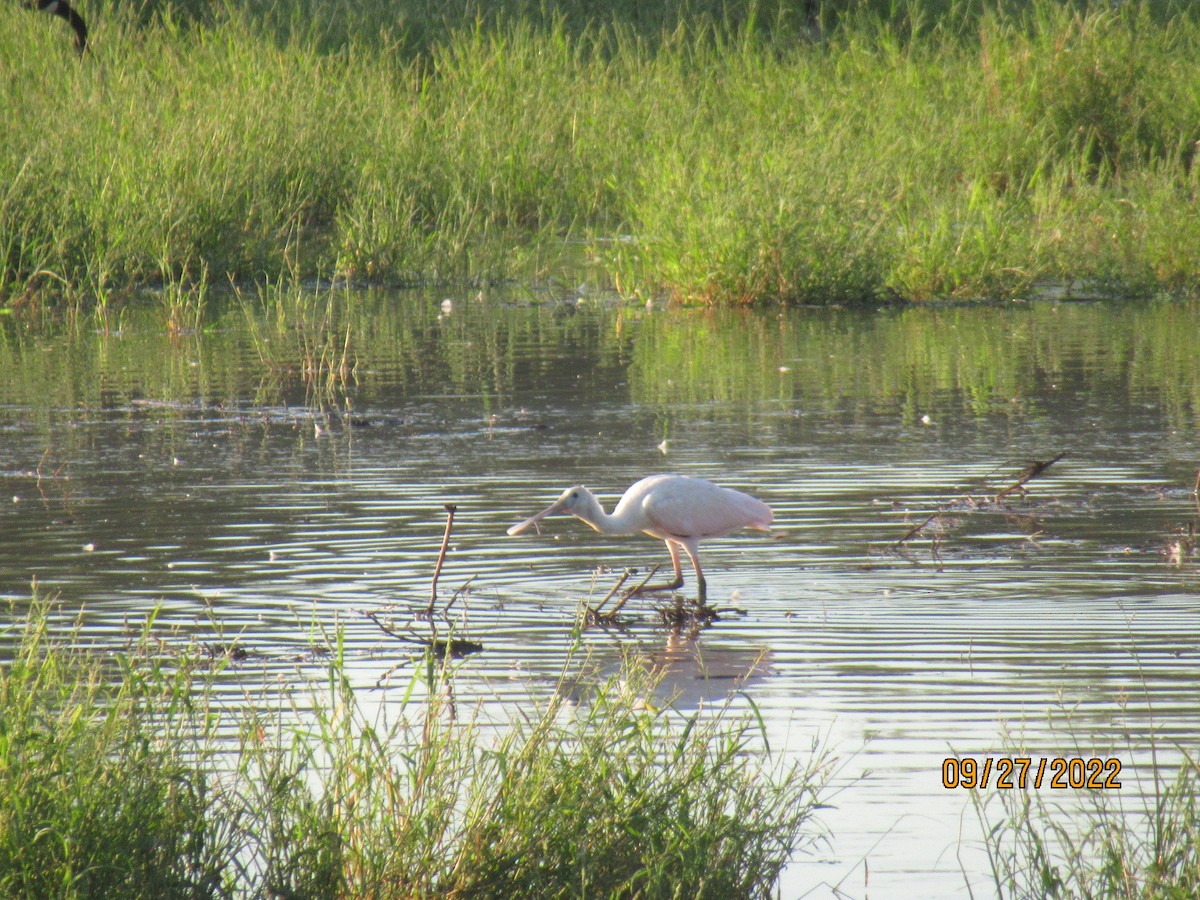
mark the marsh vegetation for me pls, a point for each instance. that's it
(740, 154)
(121, 776)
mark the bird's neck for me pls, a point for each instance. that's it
(595, 516)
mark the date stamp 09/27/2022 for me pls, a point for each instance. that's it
(1021, 772)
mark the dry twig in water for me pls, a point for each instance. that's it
(1032, 470)
(437, 569)
(455, 648)
(595, 616)
(1035, 468)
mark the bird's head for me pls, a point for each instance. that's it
(574, 501)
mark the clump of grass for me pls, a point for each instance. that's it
(605, 798)
(969, 158)
(117, 782)
(629, 800)
(919, 150)
(103, 770)
(305, 336)
(1099, 847)
(182, 301)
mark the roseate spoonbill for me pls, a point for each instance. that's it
(678, 509)
(62, 9)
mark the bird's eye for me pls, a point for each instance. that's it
(574, 495)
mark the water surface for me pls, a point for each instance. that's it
(204, 474)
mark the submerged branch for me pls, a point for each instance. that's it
(594, 615)
(455, 648)
(1035, 468)
(915, 530)
(440, 648)
(1032, 470)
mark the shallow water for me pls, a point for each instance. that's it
(197, 473)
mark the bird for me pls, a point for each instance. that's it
(678, 509)
(64, 10)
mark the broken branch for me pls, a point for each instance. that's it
(1033, 470)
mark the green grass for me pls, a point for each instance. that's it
(103, 770)
(305, 337)
(1101, 846)
(120, 778)
(868, 152)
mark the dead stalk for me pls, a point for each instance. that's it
(916, 530)
(595, 614)
(437, 569)
(1031, 471)
(454, 648)
(616, 587)
(458, 593)
(630, 593)
(1035, 468)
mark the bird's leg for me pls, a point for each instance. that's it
(674, 585)
(702, 585)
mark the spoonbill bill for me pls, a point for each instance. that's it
(677, 509)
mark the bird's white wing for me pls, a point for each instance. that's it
(693, 507)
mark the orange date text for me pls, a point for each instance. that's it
(1021, 772)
